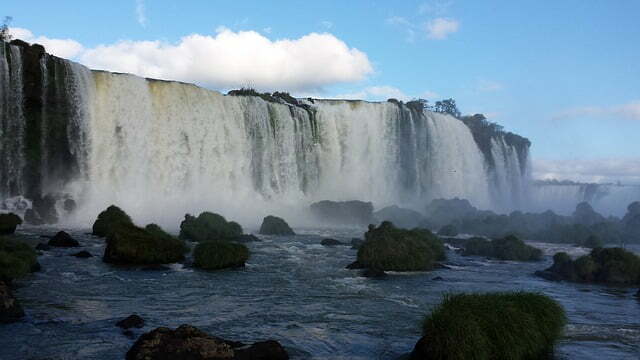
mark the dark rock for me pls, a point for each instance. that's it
(356, 243)
(273, 225)
(263, 350)
(132, 321)
(70, 205)
(209, 226)
(109, 220)
(9, 223)
(585, 215)
(82, 254)
(373, 273)
(31, 217)
(43, 247)
(343, 212)
(331, 242)
(10, 309)
(246, 238)
(63, 239)
(437, 278)
(403, 218)
(156, 267)
(216, 255)
(354, 266)
(17, 259)
(128, 244)
(129, 334)
(45, 208)
(441, 212)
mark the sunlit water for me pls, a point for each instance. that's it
(295, 291)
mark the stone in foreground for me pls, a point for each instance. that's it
(273, 225)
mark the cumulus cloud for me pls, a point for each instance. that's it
(384, 92)
(226, 59)
(140, 13)
(65, 48)
(629, 111)
(441, 28)
(610, 170)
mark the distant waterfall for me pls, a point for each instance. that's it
(160, 149)
(563, 198)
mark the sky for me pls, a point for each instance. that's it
(565, 74)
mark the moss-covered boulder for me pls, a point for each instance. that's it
(614, 266)
(209, 226)
(448, 230)
(109, 220)
(63, 239)
(273, 225)
(507, 248)
(9, 223)
(389, 248)
(216, 255)
(517, 325)
(17, 259)
(128, 244)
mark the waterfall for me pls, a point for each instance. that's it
(160, 149)
(607, 199)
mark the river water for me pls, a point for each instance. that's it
(293, 290)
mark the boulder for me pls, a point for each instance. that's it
(262, 350)
(373, 273)
(331, 242)
(131, 245)
(109, 220)
(441, 212)
(82, 254)
(401, 217)
(216, 255)
(507, 248)
(17, 259)
(63, 239)
(209, 226)
(131, 321)
(343, 212)
(585, 215)
(273, 225)
(9, 223)
(10, 309)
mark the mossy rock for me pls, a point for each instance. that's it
(448, 230)
(215, 255)
(507, 248)
(132, 245)
(109, 220)
(9, 223)
(517, 325)
(273, 225)
(209, 226)
(17, 259)
(388, 248)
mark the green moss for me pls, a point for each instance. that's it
(214, 255)
(17, 259)
(517, 325)
(507, 248)
(109, 220)
(391, 249)
(273, 225)
(8, 223)
(129, 244)
(209, 226)
(602, 265)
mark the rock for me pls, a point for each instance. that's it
(441, 212)
(343, 212)
(132, 321)
(8, 223)
(356, 243)
(43, 247)
(507, 248)
(45, 207)
(17, 259)
(355, 266)
(82, 254)
(246, 238)
(216, 255)
(403, 218)
(31, 217)
(262, 350)
(331, 242)
(273, 225)
(437, 278)
(10, 309)
(109, 220)
(448, 230)
(585, 215)
(186, 342)
(70, 205)
(132, 245)
(209, 226)
(373, 273)
(63, 239)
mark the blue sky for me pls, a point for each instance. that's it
(565, 74)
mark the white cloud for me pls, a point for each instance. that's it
(629, 111)
(267, 30)
(225, 60)
(610, 170)
(384, 92)
(440, 28)
(65, 48)
(140, 13)
(326, 24)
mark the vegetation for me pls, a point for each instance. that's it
(391, 249)
(17, 259)
(215, 255)
(209, 226)
(4, 29)
(273, 225)
(447, 106)
(8, 223)
(448, 230)
(507, 248)
(517, 325)
(109, 220)
(602, 265)
(132, 245)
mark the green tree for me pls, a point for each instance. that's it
(4, 29)
(447, 106)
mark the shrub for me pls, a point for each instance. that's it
(109, 220)
(214, 255)
(273, 225)
(517, 325)
(209, 226)
(8, 223)
(391, 249)
(507, 248)
(131, 245)
(17, 259)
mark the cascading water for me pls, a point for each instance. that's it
(160, 149)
